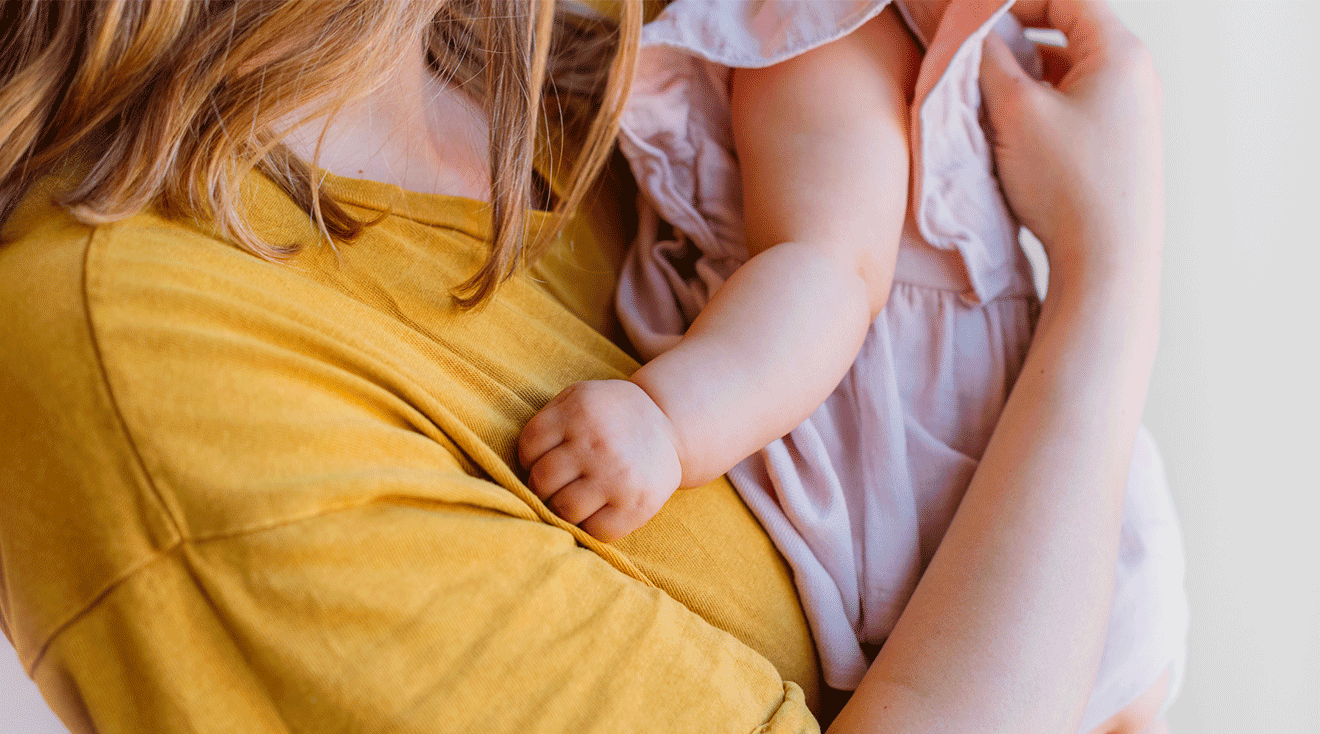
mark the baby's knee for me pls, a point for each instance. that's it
(1142, 716)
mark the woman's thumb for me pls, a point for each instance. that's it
(1003, 80)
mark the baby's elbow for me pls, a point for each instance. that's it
(878, 275)
(870, 257)
(868, 263)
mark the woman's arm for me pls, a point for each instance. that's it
(1004, 631)
(822, 145)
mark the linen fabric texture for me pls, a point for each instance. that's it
(858, 496)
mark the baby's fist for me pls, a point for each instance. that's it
(602, 456)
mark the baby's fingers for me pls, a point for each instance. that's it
(554, 471)
(578, 501)
(542, 433)
(610, 523)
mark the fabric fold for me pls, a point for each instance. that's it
(859, 495)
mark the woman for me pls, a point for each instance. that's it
(257, 495)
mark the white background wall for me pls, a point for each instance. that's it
(1234, 403)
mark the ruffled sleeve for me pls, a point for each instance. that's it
(675, 133)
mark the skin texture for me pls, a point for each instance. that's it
(1005, 630)
(822, 144)
(1080, 159)
(414, 132)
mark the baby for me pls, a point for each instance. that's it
(853, 335)
(822, 143)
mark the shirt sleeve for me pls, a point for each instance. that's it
(404, 617)
(319, 557)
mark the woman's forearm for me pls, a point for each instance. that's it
(1005, 630)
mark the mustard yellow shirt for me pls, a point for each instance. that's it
(240, 496)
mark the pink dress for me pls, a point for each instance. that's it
(858, 497)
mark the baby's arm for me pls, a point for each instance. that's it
(822, 143)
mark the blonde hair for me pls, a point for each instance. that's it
(170, 103)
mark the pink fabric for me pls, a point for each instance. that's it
(858, 496)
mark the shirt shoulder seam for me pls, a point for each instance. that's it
(98, 354)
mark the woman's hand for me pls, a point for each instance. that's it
(1079, 154)
(602, 456)
(1005, 630)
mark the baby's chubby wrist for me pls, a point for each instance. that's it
(659, 418)
(692, 476)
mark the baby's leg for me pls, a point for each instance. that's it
(1148, 625)
(1142, 716)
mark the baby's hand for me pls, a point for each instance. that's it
(603, 456)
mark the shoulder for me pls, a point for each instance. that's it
(159, 386)
(60, 435)
(258, 393)
(208, 452)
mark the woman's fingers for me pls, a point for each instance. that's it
(1055, 62)
(1003, 80)
(1089, 25)
(1080, 162)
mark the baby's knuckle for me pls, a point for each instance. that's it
(586, 425)
(537, 477)
(627, 520)
(621, 478)
(601, 446)
(574, 390)
(591, 393)
(576, 408)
